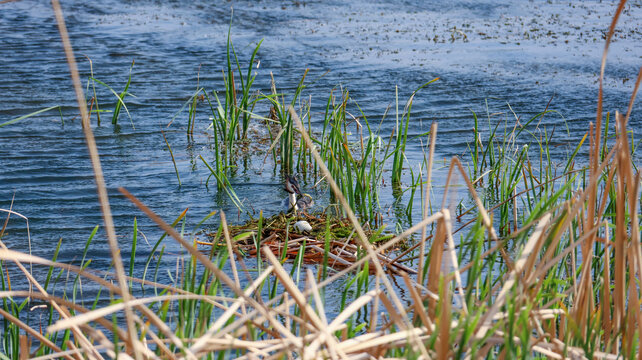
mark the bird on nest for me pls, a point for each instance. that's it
(302, 202)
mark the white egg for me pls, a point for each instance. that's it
(302, 226)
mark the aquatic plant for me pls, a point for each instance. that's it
(20, 118)
(230, 112)
(171, 154)
(402, 132)
(120, 97)
(285, 137)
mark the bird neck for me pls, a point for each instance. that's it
(293, 201)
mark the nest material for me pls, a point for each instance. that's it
(279, 235)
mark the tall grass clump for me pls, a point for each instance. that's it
(284, 140)
(120, 97)
(231, 116)
(401, 127)
(230, 111)
(502, 167)
(357, 154)
(356, 163)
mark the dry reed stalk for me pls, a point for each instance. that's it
(422, 241)
(324, 335)
(314, 289)
(394, 315)
(417, 304)
(631, 183)
(619, 293)
(336, 259)
(230, 250)
(372, 340)
(636, 252)
(71, 345)
(100, 185)
(375, 308)
(443, 338)
(606, 290)
(590, 221)
(541, 314)
(97, 314)
(453, 260)
(434, 271)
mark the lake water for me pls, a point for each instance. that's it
(522, 53)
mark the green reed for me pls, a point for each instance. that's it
(233, 114)
(13, 121)
(401, 127)
(285, 138)
(171, 154)
(94, 100)
(222, 180)
(230, 111)
(357, 155)
(120, 98)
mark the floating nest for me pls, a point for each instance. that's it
(287, 242)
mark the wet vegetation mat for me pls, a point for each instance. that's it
(313, 239)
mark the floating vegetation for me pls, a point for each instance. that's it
(321, 240)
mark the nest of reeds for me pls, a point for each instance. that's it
(280, 234)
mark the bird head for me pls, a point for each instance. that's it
(292, 185)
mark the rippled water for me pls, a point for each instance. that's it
(485, 52)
